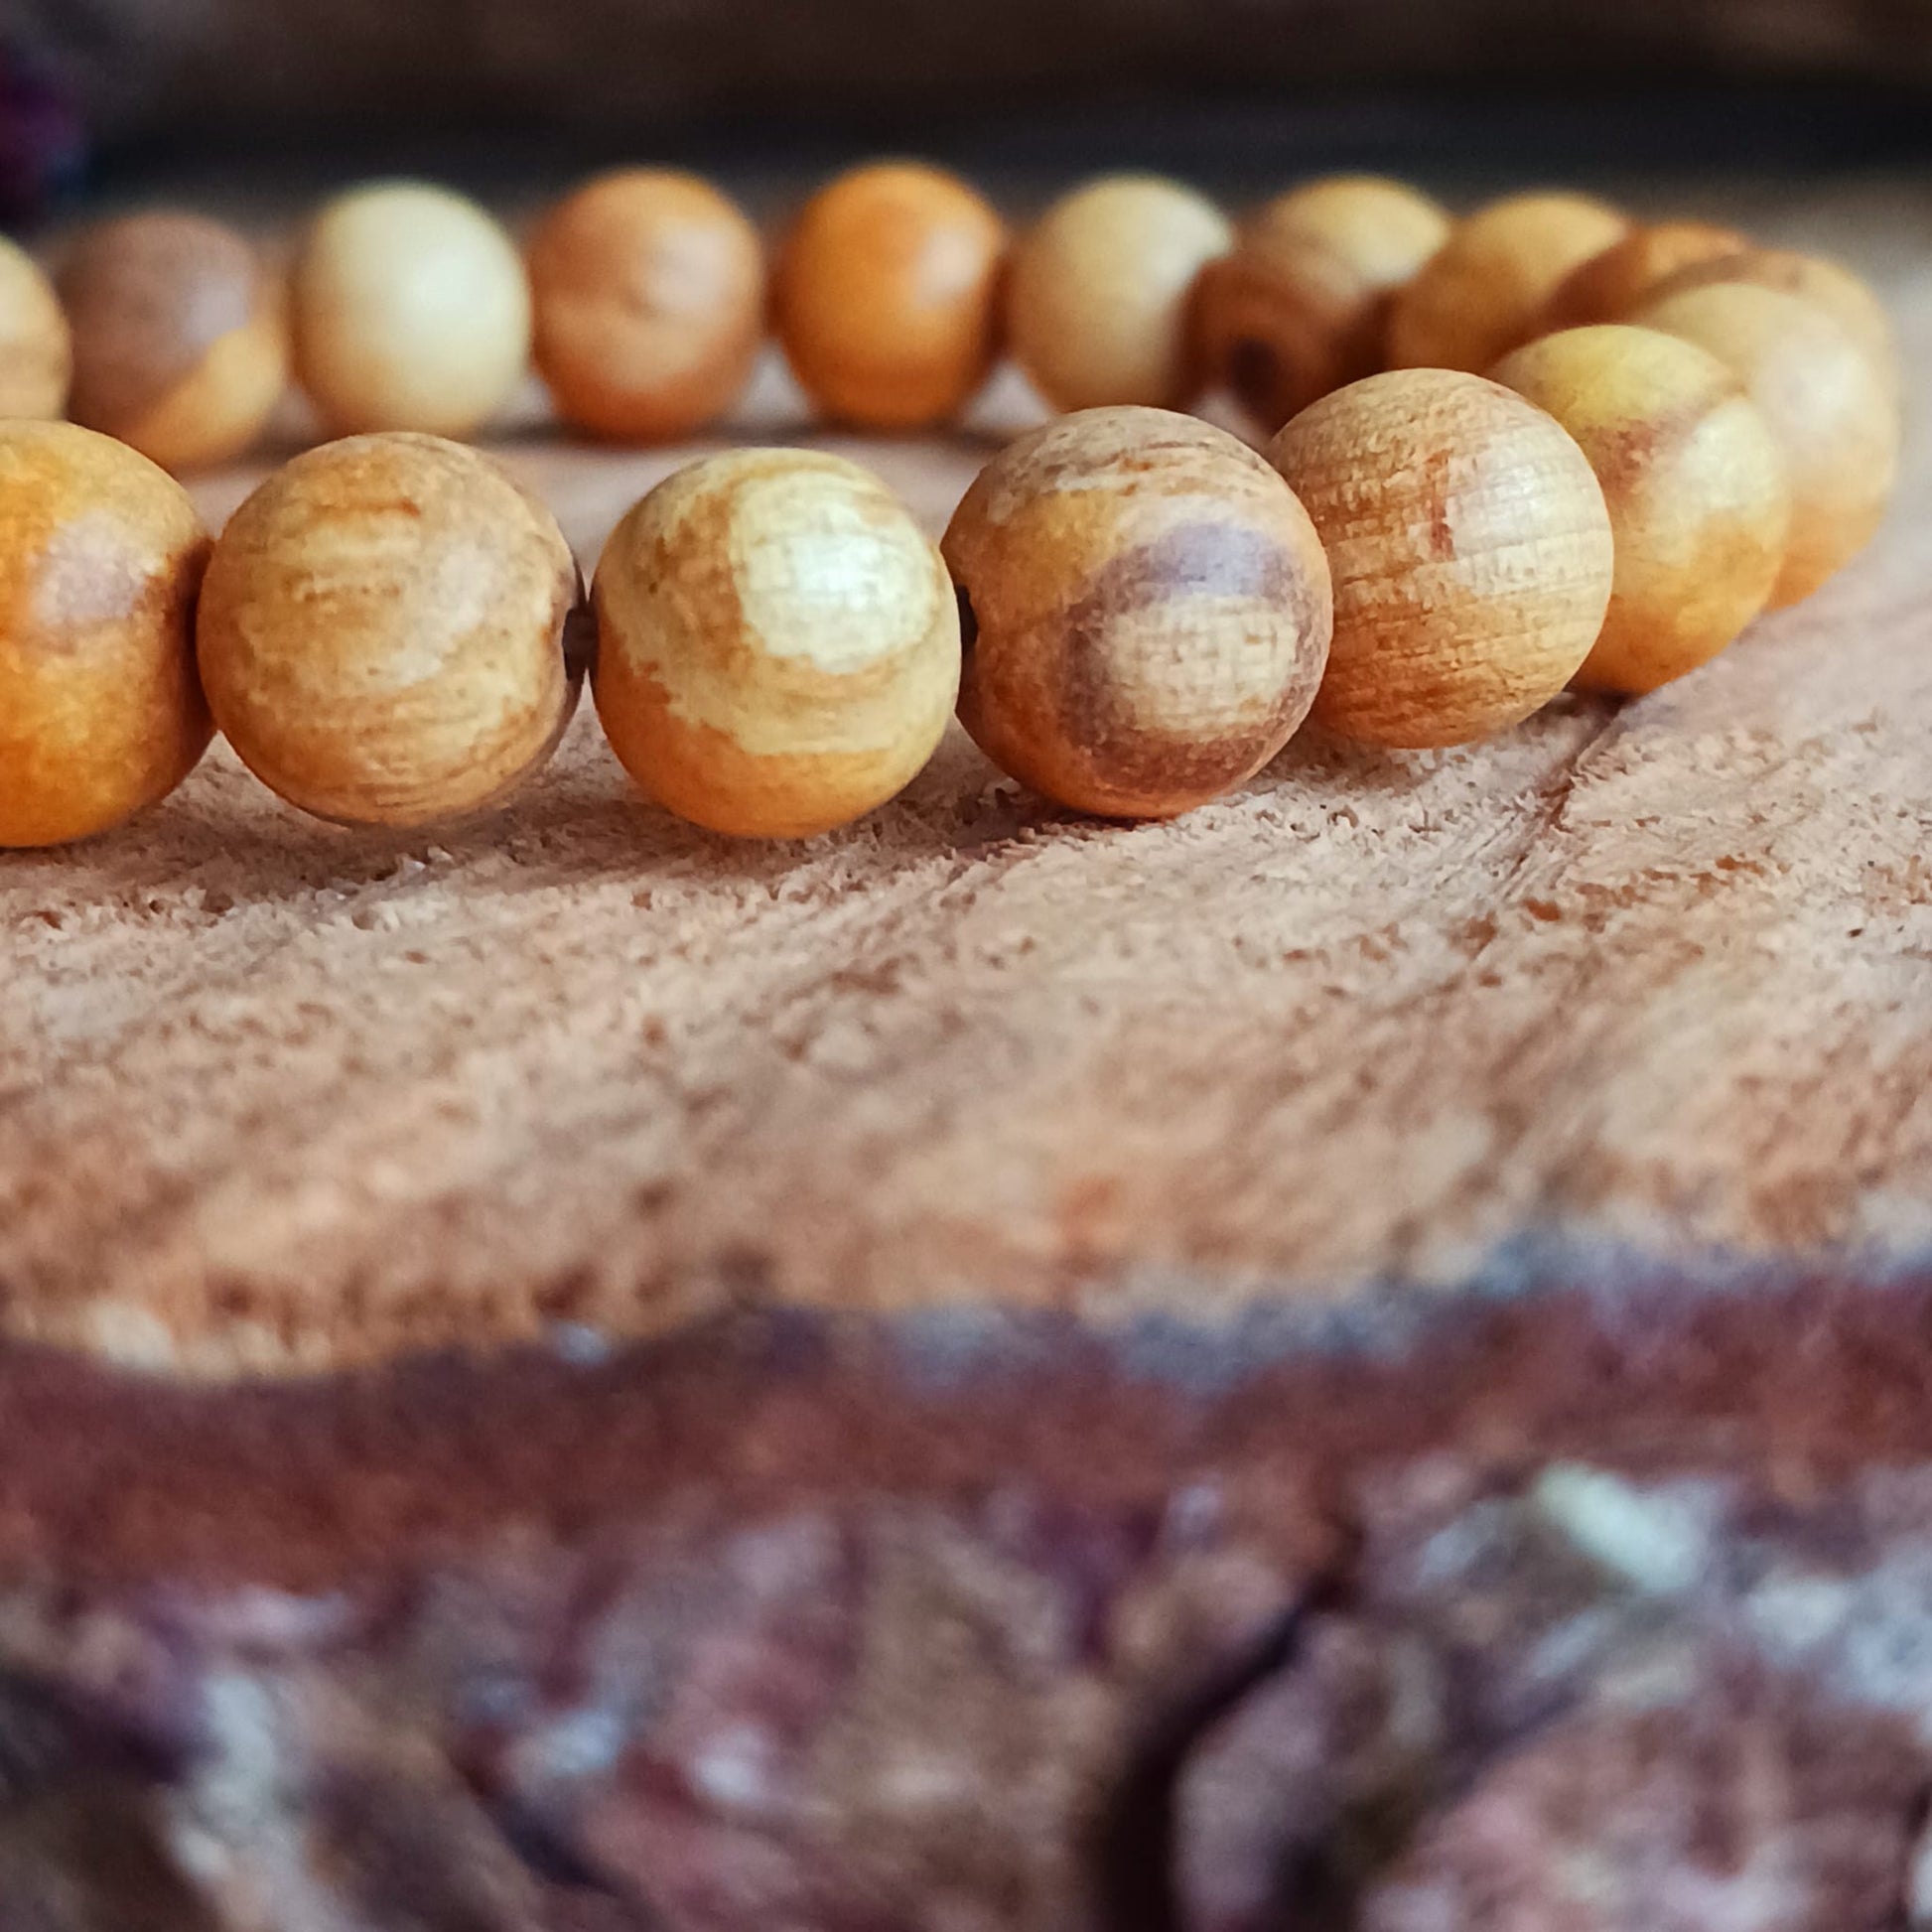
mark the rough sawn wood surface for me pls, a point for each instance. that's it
(1631, 986)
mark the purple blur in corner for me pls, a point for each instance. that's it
(42, 143)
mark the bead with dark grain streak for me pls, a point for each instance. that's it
(1694, 481)
(36, 348)
(648, 289)
(1150, 612)
(385, 631)
(886, 296)
(1827, 405)
(1484, 290)
(1611, 283)
(1100, 304)
(779, 643)
(180, 337)
(101, 554)
(1470, 547)
(1301, 304)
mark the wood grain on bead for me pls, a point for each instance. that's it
(35, 350)
(1470, 547)
(1149, 612)
(383, 631)
(648, 293)
(1300, 306)
(888, 296)
(779, 643)
(180, 337)
(1485, 289)
(1829, 409)
(1100, 303)
(1850, 302)
(1618, 280)
(411, 309)
(101, 555)
(1694, 481)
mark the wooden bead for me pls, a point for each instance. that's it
(1827, 407)
(1147, 608)
(1301, 305)
(1695, 485)
(1485, 289)
(649, 303)
(1613, 284)
(384, 629)
(1848, 301)
(886, 296)
(35, 351)
(1470, 548)
(779, 644)
(412, 311)
(1100, 304)
(101, 554)
(180, 337)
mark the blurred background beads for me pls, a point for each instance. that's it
(36, 343)
(1100, 301)
(180, 335)
(649, 294)
(886, 296)
(411, 309)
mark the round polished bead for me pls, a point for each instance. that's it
(411, 311)
(1148, 611)
(180, 337)
(1828, 408)
(385, 631)
(1694, 481)
(101, 555)
(1100, 306)
(36, 348)
(1470, 547)
(1613, 283)
(1484, 290)
(649, 303)
(886, 296)
(1848, 299)
(778, 643)
(1301, 305)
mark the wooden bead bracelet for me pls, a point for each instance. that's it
(392, 631)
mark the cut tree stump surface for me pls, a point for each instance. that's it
(1634, 986)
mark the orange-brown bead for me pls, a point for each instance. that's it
(1613, 284)
(1694, 481)
(778, 643)
(101, 554)
(1470, 548)
(384, 632)
(35, 350)
(1148, 611)
(1828, 284)
(1827, 408)
(1300, 307)
(1100, 305)
(180, 337)
(648, 288)
(886, 296)
(1484, 291)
